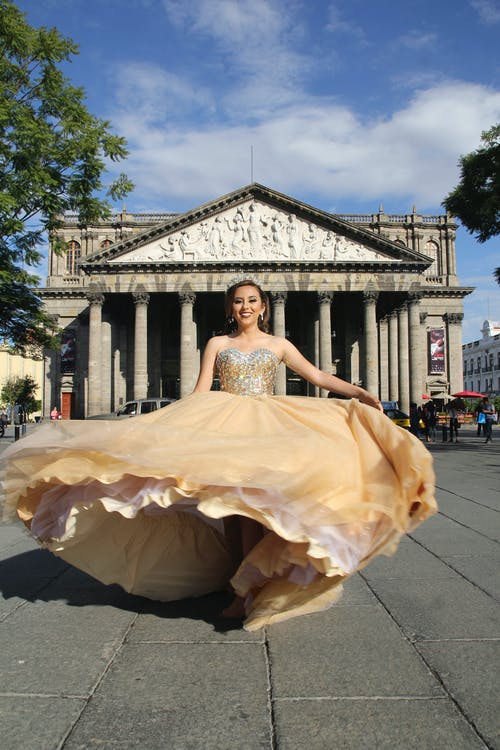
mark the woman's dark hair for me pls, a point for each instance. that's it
(231, 294)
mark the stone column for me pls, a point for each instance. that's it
(187, 300)
(96, 301)
(371, 344)
(383, 359)
(393, 357)
(141, 302)
(279, 329)
(404, 373)
(416, 347)
(325, 335)
(454, 350)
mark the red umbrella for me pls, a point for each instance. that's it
(468, 394)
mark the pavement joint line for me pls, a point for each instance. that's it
(433, 672)
(461, 710)
(68, 696)
(469, 499)
(469, 528)
(458, 572)
(456, 640)
(195, 643)
(98, 681)
(270, 699)
(335, 698)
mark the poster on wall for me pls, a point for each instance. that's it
(436, 350)
(68, 351)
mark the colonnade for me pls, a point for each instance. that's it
(393, 347)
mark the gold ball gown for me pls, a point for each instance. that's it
(141, 503)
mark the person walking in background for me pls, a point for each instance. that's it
(54, 413)
(430, 420)
(453, 417)
(489, 415)
(480, 418)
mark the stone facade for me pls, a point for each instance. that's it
(362, 296)
(481, 361)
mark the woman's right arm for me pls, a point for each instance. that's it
(206, 376)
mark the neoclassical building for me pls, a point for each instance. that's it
(373, 298)
(481, 361)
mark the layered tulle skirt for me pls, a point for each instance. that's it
(142, 502)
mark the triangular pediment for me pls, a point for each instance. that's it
(253, 225)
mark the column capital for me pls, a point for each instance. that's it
(370, 295)
(423, 317)
(141, 298)
(187, 298)
(325, 297)
(95, 298)
(415, 296)
(403, 308)
(454, 318)
(278, 298)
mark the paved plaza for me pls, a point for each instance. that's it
(407, 659)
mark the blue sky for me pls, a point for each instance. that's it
(346, 104)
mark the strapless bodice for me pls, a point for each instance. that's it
(247, 373)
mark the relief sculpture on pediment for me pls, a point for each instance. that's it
(252, 231)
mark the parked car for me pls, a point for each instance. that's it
(398, 417)
(143, 406)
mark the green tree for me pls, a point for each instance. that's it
(21, 391)
(476, 198)
(53, 155)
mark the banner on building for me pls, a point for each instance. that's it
(68, 351)
(436, 350)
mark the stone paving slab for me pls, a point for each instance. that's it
(31, 722)
(471, 514)
(349, 651)
(470, 671)
(441, 609)
(380, 724)
(444, 537)
(180, 696)
(410, 561)
(484, 572)
(65, 647)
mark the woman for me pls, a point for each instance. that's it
(287, 496)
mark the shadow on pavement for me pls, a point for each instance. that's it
(40, 576)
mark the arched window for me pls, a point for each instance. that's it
(73, 254)
(105, 243)
(432, 250)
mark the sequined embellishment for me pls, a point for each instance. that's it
(247, 374)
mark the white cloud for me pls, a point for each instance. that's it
(311, 145)
(417, 40)
(488, 11)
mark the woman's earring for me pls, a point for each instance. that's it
(261, 318)
(230, 320)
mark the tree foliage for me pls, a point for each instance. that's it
(53, 155)
(18, 390)
(476, 199)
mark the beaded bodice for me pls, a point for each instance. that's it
(247, 374)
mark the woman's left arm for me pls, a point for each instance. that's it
(297, 362)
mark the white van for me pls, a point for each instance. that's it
(143, 406)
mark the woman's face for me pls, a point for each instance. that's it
(247, 306)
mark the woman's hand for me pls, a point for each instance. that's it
(370, 400)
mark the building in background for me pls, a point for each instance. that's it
(481, 361)
(374, 298)
(13, 365)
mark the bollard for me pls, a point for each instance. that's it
(445, 432)
(17, 430)
(23, 429)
